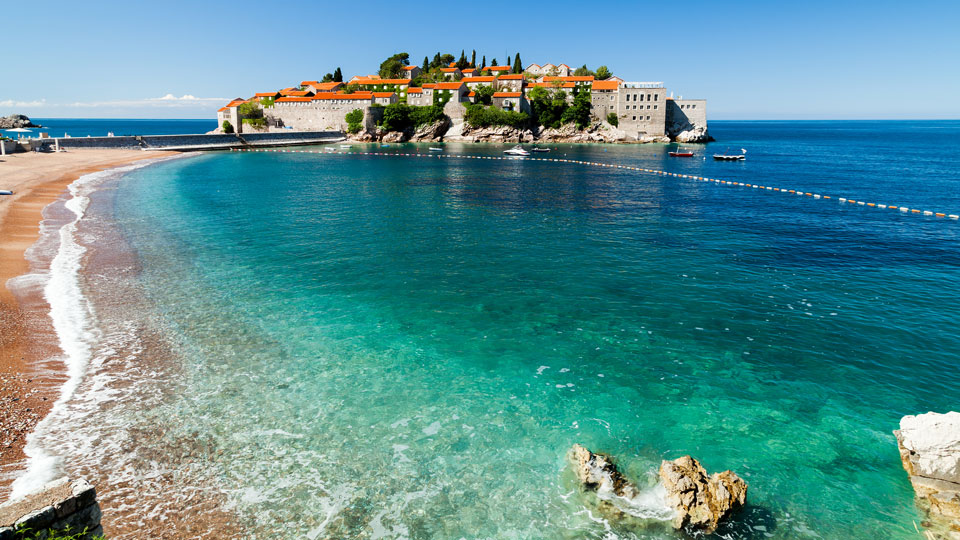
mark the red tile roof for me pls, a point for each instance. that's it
(366, 96)
(449, 85)
(414, 90)
(553, 85)
(606, 85)
(498, 68)
(266, 94)
(293, 99)
(429, 85)
(468, 70)
(236, 102)
(585, 78)
(383, 81)
(472, 94)
(506, 94)
(383, 94)
(485, 78)
(297, 93)
(309, 83)
(221, 109)
(516, 77)
(327, 86)
(452, 64)
(408, 68)
(448, 70)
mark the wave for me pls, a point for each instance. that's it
(73, 318)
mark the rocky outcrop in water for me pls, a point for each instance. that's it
(701, 501)
(432, 132)
(16, 121)
(597, 472)
(684, 132)
(930, 451)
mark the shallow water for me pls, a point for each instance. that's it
(378, 347)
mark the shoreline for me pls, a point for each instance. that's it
(29, 368)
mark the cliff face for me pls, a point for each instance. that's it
(16, 121)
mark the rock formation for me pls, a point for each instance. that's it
(685, 132)
(685, 495)
(16, 121)
(432, 132)
(701, 501)
(930, 451)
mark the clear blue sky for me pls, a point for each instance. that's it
(750, 59)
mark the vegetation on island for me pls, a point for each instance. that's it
(612, 119)
(252, 114)
(401, 117)
(336, 76)
(354, 120)
(227, 126)
(479, 116)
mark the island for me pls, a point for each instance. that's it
(449, 99)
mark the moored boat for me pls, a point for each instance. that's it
(727, 156)
(516, 151)
(435, 149)
(538, 149)
(680, 152)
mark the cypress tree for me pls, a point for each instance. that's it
(473, 59)
(483, 63)
(462, 62)
(426, 65)
(337, 75)
(509, 60)
(493, 62)
(517, 66)
(436, 61)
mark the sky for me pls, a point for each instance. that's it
(761, 59)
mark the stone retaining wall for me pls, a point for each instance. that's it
(159, 142)
(59, 506)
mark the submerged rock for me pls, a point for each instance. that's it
(930, 451)
(701, 501)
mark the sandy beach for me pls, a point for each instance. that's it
(28, 382)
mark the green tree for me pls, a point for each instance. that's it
(337, 75)
(603, 73)
(479, 116)
(483, 63)
(612, 119)
(473, 59)
(579, 112)
(437, 62)
(517, 65)
(250, 110)
(509, 61)
(266, 102)
(227, 126)
(391, 67)
(426, 65)
(493, 62)
(484, 94)
(446, 59)
(327, 78)
(350, 88)
(548, 107)
(354, 120)
(462, 62)
(582, 71)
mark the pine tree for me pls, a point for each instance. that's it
(517, 65)
(337, 75)
(493, 62)
(436, 61)
(509, 60)
(426, 65)
(473, 59)
(462, 62)
(483, 63)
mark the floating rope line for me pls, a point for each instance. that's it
(801, 193)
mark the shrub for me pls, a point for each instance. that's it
(484, 94)
(479, 116)
(227, 126)
(612, 119)
(258, 123)
(354, 120)
(579, 112)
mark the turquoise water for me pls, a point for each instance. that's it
(100, 127)
(406, 348)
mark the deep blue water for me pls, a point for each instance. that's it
(406, 347)
(99, 127)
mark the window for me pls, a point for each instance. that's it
(694, 106)
(641, 97)
(648, 118)
(634, 117)
(654, 107)
(611, 98)
(655, 96)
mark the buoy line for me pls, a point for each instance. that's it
(841, 200)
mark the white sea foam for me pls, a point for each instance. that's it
(73, 319)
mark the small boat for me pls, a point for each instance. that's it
(538, 149)
(435, 149)
(384, 146)
(680, 152)
(727, 156)
(5, 192)
(516, 151)
(345, 146)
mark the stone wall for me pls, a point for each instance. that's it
(687, 120)
(642, 111)
(157, 142)
(330, 117)
(59, 506)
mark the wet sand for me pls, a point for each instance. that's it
(29, 381)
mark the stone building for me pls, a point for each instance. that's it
(318, 87)
(473, 82)
(510, 83)
(385, 98)
(641, 107)
(323, 112)
(230, 114)
(451, 73)
(420, 97)
(511, 101)
(411, 72)
(447, 92)
(384, 85)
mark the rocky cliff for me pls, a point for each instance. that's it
(930, 451)
(16, 121)
(597, 132)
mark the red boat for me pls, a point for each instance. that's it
(681, 153)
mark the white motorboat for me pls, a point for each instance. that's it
(516, 151)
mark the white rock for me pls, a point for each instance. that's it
(934, 441)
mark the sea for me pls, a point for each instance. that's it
(380, 344)
(101, 127)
